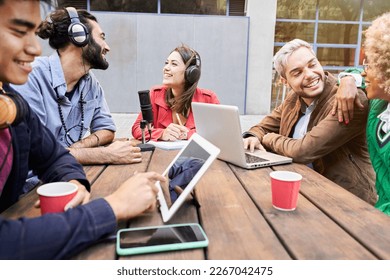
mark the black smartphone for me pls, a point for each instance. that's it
(143, 240)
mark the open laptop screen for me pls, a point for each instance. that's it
(220, 124)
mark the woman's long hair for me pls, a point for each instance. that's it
(183, 103)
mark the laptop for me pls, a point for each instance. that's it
(220, 124)
(183, 173)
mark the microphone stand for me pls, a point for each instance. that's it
(144, 146)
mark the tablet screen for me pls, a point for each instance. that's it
(183, 170)
(183, 173)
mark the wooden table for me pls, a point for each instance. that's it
(239, 220)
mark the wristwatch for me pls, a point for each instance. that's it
(358, 78)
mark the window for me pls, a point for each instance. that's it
(199, 7)
(339, 10)
(78, 4)
(328, 24)
(206, 7)
(334, 28)
(287, 31)
(237, 8)
(297, 9)
(134, 6)
(336, 56)
(374, 8)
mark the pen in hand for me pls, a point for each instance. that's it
(178, 119)
(180, 123)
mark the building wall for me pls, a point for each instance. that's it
(141, 43)
(236, 54)
(262, 16)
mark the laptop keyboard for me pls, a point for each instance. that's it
(253, 159)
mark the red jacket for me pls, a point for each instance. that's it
(162, 114)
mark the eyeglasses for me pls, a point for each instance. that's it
(366, 66)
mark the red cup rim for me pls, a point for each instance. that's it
(289, 176)
(72, 188)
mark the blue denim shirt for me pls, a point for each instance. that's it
(46, 80)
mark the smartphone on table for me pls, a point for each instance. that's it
(132, 241)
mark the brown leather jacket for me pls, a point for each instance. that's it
(337, 151)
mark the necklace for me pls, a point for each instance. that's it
(66, 130)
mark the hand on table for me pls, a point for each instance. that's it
(123, 152)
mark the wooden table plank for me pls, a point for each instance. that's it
(24, 207)
(233, 224)
(239, 220)
(93, 171)
(114, 175)
(306, 232)
(186, 214)
(109, 181)
(362, 221)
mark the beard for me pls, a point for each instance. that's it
(94, 57)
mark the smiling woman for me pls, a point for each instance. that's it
(377, 75)
(377, 51)
(171, 102)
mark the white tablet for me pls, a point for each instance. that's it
(183, 173)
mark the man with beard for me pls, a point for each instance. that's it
(26, 143)
(304, 128)
(67, 96)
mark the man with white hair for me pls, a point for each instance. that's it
(303, 128)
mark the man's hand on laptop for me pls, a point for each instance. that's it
(251, 143)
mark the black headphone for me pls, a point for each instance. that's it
(77, 32)
(192, 73)
(13, 108)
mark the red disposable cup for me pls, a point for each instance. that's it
(54, 196)
(285, 188)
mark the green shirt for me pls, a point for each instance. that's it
(379, 148)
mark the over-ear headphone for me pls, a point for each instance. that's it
(77, 32)
(12, 109)
(192, 73)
